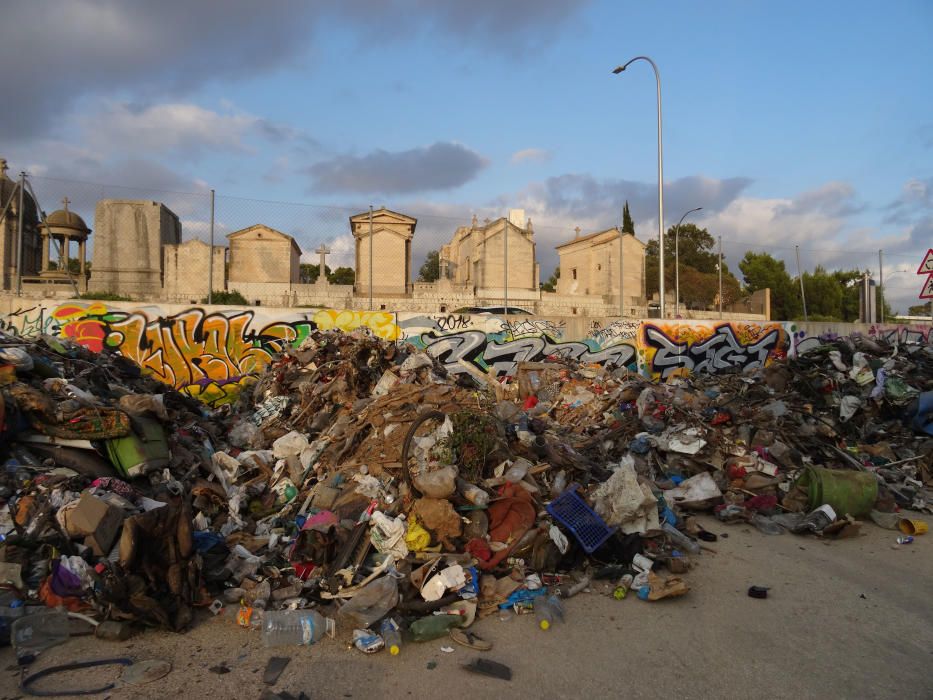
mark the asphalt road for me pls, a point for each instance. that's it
(844, 619)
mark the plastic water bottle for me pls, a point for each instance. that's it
(622, 589)
(547, 610)
(392, 636)
(37, 632)
(294, 627)
(680, 539)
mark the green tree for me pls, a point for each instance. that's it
(342, 275)
(308, 273)
(628, 226)
(919, 309)
(227, 297)
(762, 271)
(825, 295)
(699, 272)
(431, 268)
(74, 266)
(696, 248)
(849, 282)
(551, 284)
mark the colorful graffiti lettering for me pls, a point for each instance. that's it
(683, 348)
(34, 320)
(903, 334)
(500, 359)
(206, 355)
(211, 355)
(379, 323)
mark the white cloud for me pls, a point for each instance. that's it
(538, 155)
(123, 128)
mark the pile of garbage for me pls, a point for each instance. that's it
(358, 484)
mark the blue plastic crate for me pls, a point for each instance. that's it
(571, 511)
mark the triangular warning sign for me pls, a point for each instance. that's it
(927, 291)
(927, 264)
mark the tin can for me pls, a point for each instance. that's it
(907, 539)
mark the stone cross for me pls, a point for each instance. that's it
(576, 232)
(65, 202)
(323, 251)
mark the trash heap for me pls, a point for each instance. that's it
(358, 483)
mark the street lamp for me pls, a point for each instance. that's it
(657, 78)
(677, 261)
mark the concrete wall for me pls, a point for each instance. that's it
(391, 263)
(210, 352)
(391, 252)
(128, 239)
(187, 271)
(262, 255)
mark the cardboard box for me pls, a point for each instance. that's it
(99, 521)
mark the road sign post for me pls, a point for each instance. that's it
(926, 268)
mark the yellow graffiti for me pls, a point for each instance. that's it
(381, 323)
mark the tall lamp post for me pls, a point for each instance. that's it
(677, 260)
(657, 78)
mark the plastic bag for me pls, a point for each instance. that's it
(17, 357)
(372, 602)
(244, 435)
(141, 404)
(623, 501)
(416, 538)
(289, 445)
(438, 484)
(388, 535)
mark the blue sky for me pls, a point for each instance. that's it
(804, 124)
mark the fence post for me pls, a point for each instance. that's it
(803, 296)
(19, 234)
(881, 282)
(210, 258)
(621, 278)
(720, 277)
(370, 257)
(505, 268)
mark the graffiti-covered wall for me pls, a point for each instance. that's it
(495, 346)
(209, 352)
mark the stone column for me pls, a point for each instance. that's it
(45, 252)
(82, 255)
(66, 243)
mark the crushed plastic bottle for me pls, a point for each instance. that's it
(622, 588)
(680, 539)
(295, 627)
(367, 641)
(392, 635)
(547, 610)
(766, 525)
(571, 591)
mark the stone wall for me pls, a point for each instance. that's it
(128, 240)
(210, 352)
(188, 273)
